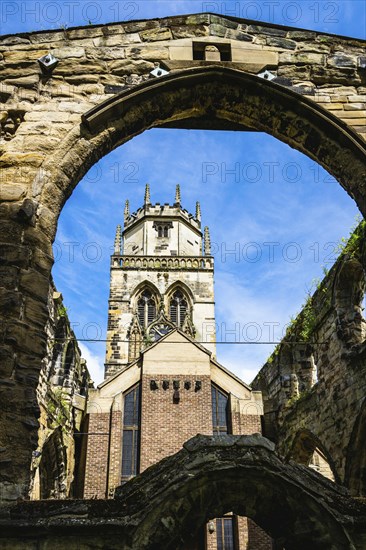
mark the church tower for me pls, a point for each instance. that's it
(161, 278)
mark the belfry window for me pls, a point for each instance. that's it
(131, 433)
(220, 411)
(163, 230)
(146, 308)
(178, 308)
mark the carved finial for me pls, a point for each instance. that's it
(147, 195)
(207, 241)
(127, 211)
(177, 195)
(198, 211)
(117, 240)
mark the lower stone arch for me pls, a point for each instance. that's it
(241, 474)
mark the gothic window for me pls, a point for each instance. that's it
(146, 308)
(162, 228)
(178, 308)
(131, 433)
(220, 411)
(225, 533)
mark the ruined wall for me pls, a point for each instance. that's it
(163, 506)
(48, 143)
(314, 383)
(61, 395)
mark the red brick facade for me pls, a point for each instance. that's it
(173, 408)
(165, 424)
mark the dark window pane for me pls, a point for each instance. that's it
(219, 537)
(131, 433)
(127, 453)
(225, 534)
(128, 419)
(219, 411)
(228, 534)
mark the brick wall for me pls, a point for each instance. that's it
(115, 458)
(257, 538)
(245, 424)
(165, 425)
(97, 456)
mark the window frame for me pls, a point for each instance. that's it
(218, 429)
(135, 429)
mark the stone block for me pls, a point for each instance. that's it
(13, 192)
(153, 35)
(218, 30)
(14, 40)
(189, 32)
(201, 18)
(109, 41)
(16, 255)
(154, 53)
(137, 26)
(68, 52)
(301, 35)
(283, 43)
(302, 58)
(35, 312)
(354, 106)
(34, 284)
(221, 20)
(20, 57)
(50, 37)
(341, 59)
(127, 67)
(105, 53)
(272, 31)
(30, 81)
(11, 159)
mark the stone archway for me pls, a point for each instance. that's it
(211, 92)
(29, 227)
(169, 502)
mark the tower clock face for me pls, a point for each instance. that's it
(158, 331)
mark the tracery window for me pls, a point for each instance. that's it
(220, 411)
(178, 308)
(131, 433)
(146, 308)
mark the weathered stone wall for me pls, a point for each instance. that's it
(49, 142)
(61, 395)
(314, 383)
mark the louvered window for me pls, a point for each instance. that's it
(178, 308)
(146, 308)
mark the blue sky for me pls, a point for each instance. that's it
(275, 216)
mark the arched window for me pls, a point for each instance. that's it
(166, 231)
(178, 308)
(146, 308)
(160, 231)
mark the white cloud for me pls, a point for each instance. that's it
(95, 363)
